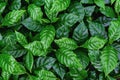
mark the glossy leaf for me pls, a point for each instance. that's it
(35, 12)
(36, 48)
(80, 33)
(108, 11)
(21, 38)
(10, 65)
(89, 10)
(68, 58)
(66, 43)
(12, 17)
(29, 60)
(45, 75)
(32, 25)
(47, 36)
(100, 3)
(94, 43)
(108, 59)
(53, 7)
(113, 31)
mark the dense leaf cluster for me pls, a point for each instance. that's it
(59, 40)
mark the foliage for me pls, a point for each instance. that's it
(59, 39)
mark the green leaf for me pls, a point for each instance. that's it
(78, 74)
(32, 25)
(94, 43)
(27, 1)
(5, 75)
(21, 38)
(68, 58)
(44, 62)
(62, 31)
(114, 31)
(53, 7)
(29, 60)
(12, 17)
(108, 59)
(89, 10)
(35, 12)
(68, 20)
(47, 36)
(10, 65)
(96, 29)
(45, 75)
(108, 11)
(117, 6)
(2, 7)
(15, 5)
(59, 69)
(36, 48)
(83, 57)
(94, 56)
(100, 3)
(80, 33)
(77, 9)
(66, 43)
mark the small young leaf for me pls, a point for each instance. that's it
(5, 75)
(29, 60)
(47, 36)
(35, 12)
(21, 38)
(109, 59)
(94, 43)
(15, 5)
(12, 17)
(68, 58)
(66, 43)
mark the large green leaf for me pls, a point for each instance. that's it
(109, 59)
(2, 7)
(47, 36)
(36, 48)
(21, 38)
(12, 17)
(35, 12)
(29, 60)
(94, 43)
(15, 5)
(66, 43)
(68, 58)
(53, 7)
(114, 31)
(45, 75)
(10, 65)
(80, 33)
(94, 56)
(32, 25)
(96, 29)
